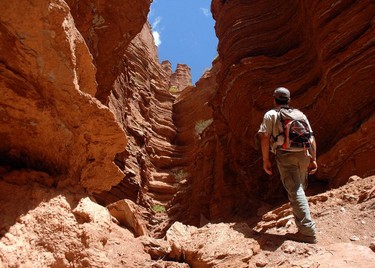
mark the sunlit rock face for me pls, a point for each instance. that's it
(324, 53)
(108, 26)
(181, 78)
(58, 143)
(50, 120)
(143, 104)
(141, 99)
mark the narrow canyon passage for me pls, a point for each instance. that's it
(193, 154)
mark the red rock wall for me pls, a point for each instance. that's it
(324, 53)
(108, 26)
(181, 78)
(83, 79)
(143, 104)
(54, 69)
(50, 120)
(321, 51)
(193, 116)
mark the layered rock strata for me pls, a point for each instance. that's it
(324, 58)
(324, 53)
(52, 120)
(58, 143)
(108, 27)
(142, 99)
(181, 78)
(178, 80)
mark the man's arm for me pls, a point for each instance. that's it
(265, 145)
(313, 166)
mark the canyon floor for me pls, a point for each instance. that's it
(346, 236)
(42, 227)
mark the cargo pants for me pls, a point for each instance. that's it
(293, 172)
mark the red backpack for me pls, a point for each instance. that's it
(296, 131)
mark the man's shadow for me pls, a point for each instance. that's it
(266, 241)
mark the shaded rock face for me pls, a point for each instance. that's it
(322, 52)
(108, 27)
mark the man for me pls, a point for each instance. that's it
(294, 165)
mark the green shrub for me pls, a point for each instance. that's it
(158, 208)
(173, 90)
(201, 125)
(180, 174)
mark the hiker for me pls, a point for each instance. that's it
(295, 158)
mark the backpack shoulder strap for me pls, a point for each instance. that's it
(282, 121)
(280, 114)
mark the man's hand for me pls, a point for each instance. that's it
(313, 167)
(267, 167)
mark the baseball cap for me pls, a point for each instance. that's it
(281, 93)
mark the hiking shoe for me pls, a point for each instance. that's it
(298, 237)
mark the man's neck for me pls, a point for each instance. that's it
(282, 106)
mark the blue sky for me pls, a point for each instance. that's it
(184, 33)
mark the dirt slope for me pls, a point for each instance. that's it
(346, 230)
(345, 218)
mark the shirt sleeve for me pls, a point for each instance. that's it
(308, 123)
(266, 125)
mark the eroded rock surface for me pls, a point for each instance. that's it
(45, 227)
(323, 52)
(181, 78)
(50, 120)
(108, 26)
(260, 241)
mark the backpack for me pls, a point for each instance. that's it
(295, 130)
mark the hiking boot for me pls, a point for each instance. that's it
(301, 238)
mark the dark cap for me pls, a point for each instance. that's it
(281, 93)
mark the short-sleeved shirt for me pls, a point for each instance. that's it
(272, 125)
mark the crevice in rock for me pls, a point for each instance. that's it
(18, 160)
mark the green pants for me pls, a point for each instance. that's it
(293, 172)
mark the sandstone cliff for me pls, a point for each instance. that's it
(323, 52)
(51, 120)
(261, 48)
(325, 58)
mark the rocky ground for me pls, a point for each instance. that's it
(346, 235)
(346, 230)
(43, 227)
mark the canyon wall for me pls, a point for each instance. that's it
(86, 117)
(108, 28)
(324, 53)
(51, 120)
(58, 142)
